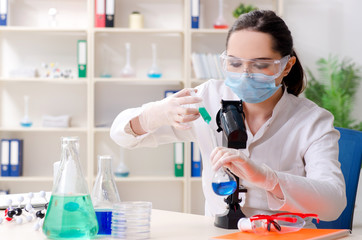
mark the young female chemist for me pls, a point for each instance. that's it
(291, 159)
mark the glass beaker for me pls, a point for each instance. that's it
(104, 194)
(70, 213)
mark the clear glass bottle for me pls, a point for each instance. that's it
(70, 212)
(104, 194)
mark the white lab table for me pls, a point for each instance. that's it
(164, 225)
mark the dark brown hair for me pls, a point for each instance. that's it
(267, 21)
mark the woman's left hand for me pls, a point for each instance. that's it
(236, 161)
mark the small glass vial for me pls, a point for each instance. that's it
(104, 194)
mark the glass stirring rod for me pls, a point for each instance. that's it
(203, 112)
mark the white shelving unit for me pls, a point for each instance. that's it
(94, 102)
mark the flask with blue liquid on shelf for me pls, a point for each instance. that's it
(154, 71)
(26, 122)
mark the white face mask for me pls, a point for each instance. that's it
(258, 83)
(252, 87)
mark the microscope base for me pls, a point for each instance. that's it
(228, 219)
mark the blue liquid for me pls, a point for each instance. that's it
(26, 124)
(106, 75)
(104, 219)
(224, 188)
(121, 174)
(154, 75)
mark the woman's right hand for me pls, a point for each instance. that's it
(170, 111)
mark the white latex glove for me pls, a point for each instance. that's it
(170, 111)
(236, 161)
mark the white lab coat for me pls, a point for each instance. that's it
(298, 142)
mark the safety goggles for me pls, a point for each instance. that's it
(238, 66)
(280, 223)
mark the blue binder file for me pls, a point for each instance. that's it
(16, 157)
(195, 13)
(170, 92)
(5, 157)
(195, 160)
(3, 12)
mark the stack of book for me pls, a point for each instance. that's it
(207, 66)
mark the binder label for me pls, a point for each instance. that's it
(100, 7)
(110, 7)
(5, 157)
(179, 159)
(195, 8)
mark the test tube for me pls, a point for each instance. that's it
(204, 114)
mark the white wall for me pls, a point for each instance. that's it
(323, 27)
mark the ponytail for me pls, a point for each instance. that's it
(295, 81)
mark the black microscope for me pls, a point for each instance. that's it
(230, 120)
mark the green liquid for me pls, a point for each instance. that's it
(70, 217)
(205, 115)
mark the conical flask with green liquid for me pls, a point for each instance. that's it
(70, 212)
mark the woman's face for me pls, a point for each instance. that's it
(254, 45)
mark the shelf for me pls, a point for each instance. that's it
(43, 129)
(150, 179)
(209, 30)
(138, 31)
(47, 80)
(138, 81)
(102, 130)
(39, 29)
(195, 179)
(25, 179)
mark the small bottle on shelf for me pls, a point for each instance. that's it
(136, 20)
